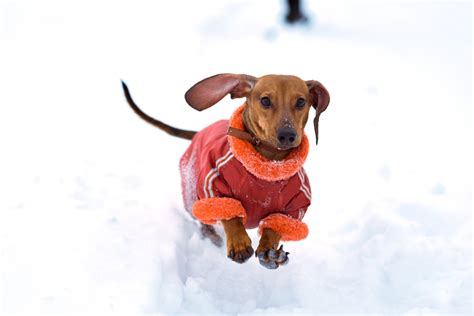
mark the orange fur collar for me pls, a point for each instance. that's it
(259, 166)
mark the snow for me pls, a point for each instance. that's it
(91, 215)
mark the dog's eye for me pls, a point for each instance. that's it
(300, 103)
(266, 103)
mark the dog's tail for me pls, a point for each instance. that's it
(165, 127)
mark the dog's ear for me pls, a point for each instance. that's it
(320, 101)
(208, 92)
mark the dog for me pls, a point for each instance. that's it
(247, 172)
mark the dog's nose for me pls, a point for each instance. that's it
(286, 136)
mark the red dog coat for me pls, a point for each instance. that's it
(224, 177)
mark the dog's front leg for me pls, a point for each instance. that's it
(239, 245)
(268, 253)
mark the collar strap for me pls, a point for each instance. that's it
(251, 139)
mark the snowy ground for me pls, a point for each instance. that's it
(91, 218)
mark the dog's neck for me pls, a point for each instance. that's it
(270, 155)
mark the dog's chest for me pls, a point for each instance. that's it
(259, 197)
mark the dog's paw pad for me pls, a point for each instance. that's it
(269, 264)
(240, 256)
(273, 258)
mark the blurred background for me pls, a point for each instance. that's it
(91, 217)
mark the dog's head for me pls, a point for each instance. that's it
(277, 106)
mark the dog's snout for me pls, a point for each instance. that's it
(286, 136)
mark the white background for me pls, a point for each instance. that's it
(91, 217)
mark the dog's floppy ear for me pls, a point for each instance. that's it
(320, 101)
(208, 92)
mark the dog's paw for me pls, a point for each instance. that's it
(239, 250)
(208, 231)
(272, 258)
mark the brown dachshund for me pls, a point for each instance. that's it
(247, 172)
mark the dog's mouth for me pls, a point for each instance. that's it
(286, 138)
(284, 147)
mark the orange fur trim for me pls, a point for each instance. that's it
(289, 228)
(211, 210)
(260, 166)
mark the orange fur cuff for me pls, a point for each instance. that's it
(211, 210)
(289, 228)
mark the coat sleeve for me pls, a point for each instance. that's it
(215, 199)
(289, 222)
